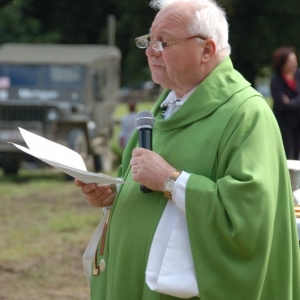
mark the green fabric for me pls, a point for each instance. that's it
(239, 204)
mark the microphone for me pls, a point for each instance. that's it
(144, 122)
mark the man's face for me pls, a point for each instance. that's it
(177, 67)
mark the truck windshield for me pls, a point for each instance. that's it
(43, 76)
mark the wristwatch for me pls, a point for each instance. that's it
(169, 184)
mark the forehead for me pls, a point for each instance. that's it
(292, 56)
(171, 19)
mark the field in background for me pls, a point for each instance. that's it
(45, 226)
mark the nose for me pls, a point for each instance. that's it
(150, 52)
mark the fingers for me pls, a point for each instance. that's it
(78, 182)
(138, 151)
(102, 201)
(150, 169)
(109, 200)
(92, 191)
(99, 196)
(140, 155)
(90, 187)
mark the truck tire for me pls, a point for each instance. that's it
(77, 141)
(97, 163)
(103, 162)
(10, 167)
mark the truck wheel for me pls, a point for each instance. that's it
(97, 163)
(10, 168)
(77, 142)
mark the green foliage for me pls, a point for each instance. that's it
(256, 28)
(17, 26)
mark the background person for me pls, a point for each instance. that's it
(285, 85)
(127, 125)
(218, 176)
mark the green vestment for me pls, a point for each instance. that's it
(239, 204)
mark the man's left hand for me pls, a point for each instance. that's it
(150, 169)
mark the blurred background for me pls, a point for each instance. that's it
(257, 27)
(91, 69)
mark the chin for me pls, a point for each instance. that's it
(158, 80)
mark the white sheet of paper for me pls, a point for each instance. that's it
(43, 148)
(62, 158)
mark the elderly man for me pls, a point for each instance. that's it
(219, 222)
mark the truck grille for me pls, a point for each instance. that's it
(22, 113)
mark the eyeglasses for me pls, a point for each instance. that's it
(142, 42)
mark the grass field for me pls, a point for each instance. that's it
(45, 226)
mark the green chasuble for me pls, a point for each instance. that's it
(239, 205)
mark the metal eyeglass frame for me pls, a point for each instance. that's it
(142, 42)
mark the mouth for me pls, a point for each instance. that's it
(156, 66)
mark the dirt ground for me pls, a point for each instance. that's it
(60, 277)
(45, 227)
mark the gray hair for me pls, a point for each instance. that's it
(209, 21)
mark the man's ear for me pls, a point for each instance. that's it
(209, 50)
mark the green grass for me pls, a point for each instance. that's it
(30, 209)
(45, 225)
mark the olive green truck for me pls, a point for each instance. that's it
(65, 93)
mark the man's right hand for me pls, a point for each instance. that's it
(100, 196)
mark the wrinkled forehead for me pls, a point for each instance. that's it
(175, 18)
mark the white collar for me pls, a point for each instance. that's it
(172, 98)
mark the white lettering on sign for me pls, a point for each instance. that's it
(39, 94)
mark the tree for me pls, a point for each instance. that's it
(257, 28)
(134, 18)
(16, 26)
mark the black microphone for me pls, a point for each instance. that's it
(144, 122)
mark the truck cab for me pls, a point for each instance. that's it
(65, 93)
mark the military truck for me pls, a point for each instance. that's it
(65, 93)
